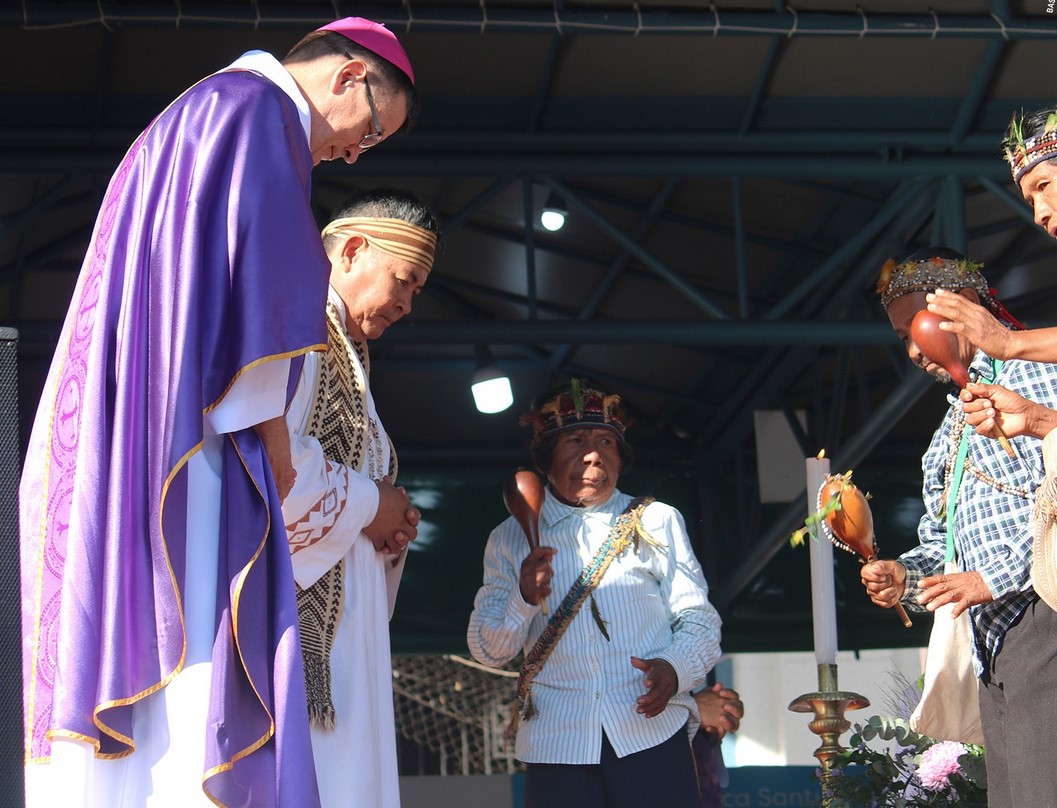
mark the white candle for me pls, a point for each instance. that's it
(823, 597)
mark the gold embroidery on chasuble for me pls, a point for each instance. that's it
(341, 422)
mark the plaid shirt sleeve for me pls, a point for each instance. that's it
(927, 558)
(992, 520)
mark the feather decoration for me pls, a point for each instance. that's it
(597, 615)
(530, 710)
(641, 532)
(578, 395)
(1016, 131)
(1015, 145)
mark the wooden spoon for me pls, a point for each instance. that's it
(523, 497)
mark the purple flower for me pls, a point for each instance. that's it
(938, 763)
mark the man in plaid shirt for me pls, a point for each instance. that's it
(1014, 632)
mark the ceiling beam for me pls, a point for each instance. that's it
(529, 232)
(823, 273)
(1014, 202)
(867, 140)
(546, 89)
(974, 96)
(617, 266)
(763, 81)
(780, 365)
(482, 18)
(411, 160)
(807, 248)
(777, 357)
(856, 446)
(556, 332)
(740, 265)
(711, 332)
(634, 248)
(950, 211)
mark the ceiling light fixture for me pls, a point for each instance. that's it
(491, 388)
(552, 217)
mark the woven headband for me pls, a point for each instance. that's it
(396, 237)
(1022, 153)
(1034, 150)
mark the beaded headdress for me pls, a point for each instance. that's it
(1023, 154)
(577, 406)
(930, 274)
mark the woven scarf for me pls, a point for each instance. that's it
(625, 533)
(339, 421)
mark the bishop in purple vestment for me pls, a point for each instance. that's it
(204, 284)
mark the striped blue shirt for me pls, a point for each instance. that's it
(992, 522)
(654, 602)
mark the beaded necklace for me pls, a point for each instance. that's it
(954, 439)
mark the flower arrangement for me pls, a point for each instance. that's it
(915, 772)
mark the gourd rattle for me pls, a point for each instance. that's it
(847, 521)
(942, 348)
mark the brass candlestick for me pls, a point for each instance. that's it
(828, 704)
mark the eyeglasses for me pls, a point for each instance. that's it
(375, 137)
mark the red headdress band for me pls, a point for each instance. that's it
(1003, 313)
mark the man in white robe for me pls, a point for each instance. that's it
(347, 524)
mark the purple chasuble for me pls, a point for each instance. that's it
(204, 262)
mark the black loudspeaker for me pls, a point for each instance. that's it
(12, 789)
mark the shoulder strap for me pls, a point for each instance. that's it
(952, 494)
(621, 536)
(959, 470)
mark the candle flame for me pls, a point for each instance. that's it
(821, 455)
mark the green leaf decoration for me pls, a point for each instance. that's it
(831, 505)
(577, 395)
(972, 763)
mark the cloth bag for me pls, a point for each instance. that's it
(950, 699)
(949, 709)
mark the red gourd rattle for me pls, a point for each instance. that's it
(847, 521)
(942, 348)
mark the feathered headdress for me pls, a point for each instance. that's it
(576, 406)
